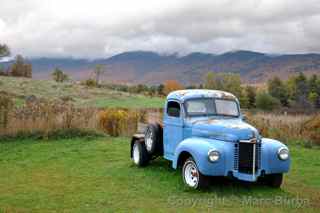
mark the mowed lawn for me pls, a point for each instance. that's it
(134, 101)
(96, 175)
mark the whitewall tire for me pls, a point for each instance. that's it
(192, 177)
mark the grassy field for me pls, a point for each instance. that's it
(97, 175)
(80, 95)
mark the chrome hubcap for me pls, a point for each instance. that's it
(191, 175)
(136, 154)
(149, 140)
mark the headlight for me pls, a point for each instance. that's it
(283, 153)
(213, 155)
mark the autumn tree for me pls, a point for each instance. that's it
(59, 76)
(229, 82)
(171, 85)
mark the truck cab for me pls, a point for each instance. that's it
(204, 133)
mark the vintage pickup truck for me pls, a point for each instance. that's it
(204, 133)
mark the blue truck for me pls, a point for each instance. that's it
(204, 133)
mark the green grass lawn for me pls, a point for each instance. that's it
(137, 101)
(97, 175)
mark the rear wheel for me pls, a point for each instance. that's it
(152, 138)
(274, 180)
(139, 154)
(192, 177)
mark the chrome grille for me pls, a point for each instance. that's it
(258, 151)
(236, 156)
(247, 160)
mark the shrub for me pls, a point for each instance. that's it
(118, 122)
(59, 76)
(265, 101)
(90, 82)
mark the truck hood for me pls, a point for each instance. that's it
(229, 129)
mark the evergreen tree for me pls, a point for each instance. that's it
(4, 51)
(277, 89)
(251, 95)
(266, 101)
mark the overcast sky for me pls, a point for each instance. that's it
(100, 28)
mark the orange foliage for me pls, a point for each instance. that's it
(171, 85)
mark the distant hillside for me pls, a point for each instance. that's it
(20, 89)
(151, 67)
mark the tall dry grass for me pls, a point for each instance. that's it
(38, 115)
(6, 105)
(287, 127)
(44, 116)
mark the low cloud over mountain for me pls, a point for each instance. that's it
(91, 29)
(154, 68)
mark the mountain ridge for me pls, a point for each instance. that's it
(153, 68)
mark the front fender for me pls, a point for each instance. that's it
(198, 148)
(269, 159)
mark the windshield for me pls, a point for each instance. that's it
(211, 107)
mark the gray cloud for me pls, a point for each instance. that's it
(95, 28)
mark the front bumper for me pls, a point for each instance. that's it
(236, 163)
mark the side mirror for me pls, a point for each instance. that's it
(244, 117)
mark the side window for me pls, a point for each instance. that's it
(173, 109)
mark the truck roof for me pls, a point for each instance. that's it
(183, 95)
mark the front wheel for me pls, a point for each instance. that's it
(274, 180)
(192, 177)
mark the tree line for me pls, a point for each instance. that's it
(298, 92)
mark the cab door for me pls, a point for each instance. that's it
(173, 128)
